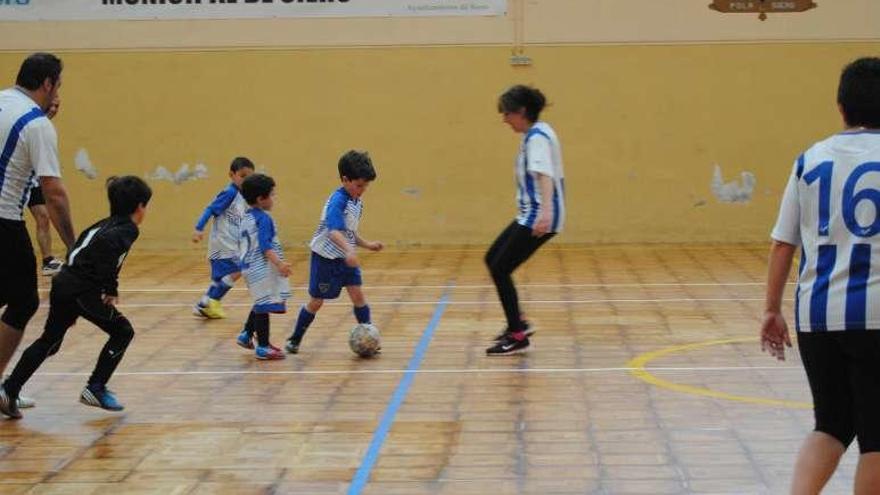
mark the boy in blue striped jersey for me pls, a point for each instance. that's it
(831, 210)
(334, 262)
(263, 265)
(227, 210)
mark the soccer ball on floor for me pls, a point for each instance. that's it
(364, 340)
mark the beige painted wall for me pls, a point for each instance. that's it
(642, 124)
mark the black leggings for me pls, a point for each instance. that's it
(512, 248)
(63, 313)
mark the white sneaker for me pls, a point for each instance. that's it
(52, 267)
(25, 402)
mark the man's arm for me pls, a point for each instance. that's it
(59, 208)
(774, 330)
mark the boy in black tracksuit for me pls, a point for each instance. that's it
(87, 287)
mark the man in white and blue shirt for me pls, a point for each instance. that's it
(29, 149)
(334, 262)
(831, 213)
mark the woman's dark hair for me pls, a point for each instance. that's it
(520, 97)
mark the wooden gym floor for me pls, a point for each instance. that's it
(645, 376)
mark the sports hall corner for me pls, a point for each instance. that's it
(679, 127)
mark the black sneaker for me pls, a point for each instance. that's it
(9, 405)
(291, 347)
(507, 346)
(527, 328)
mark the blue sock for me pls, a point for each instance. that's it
(362, 313)
(219, 288)
(302, 324)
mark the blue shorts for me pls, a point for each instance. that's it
(223, 267)
(328, 277)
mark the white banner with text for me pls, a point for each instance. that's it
(82, 10)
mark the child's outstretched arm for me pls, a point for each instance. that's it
(216, 208)
(371, 245)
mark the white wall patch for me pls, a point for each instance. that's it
(735, 191)
(83, 163)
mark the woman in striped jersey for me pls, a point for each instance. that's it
(541, 205)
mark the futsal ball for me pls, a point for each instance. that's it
(364, 340)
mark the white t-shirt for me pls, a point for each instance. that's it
(540, 153)
(29, 150)
(831, 208)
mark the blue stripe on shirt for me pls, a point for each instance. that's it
(26, 192)
(819, 296)
(857, 286)
(797, 292)
(530, 181)
(556, 211)
(12, 140)
(800, 167)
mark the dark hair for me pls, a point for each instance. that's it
(239, 163)
(126, 193)
(356, 165)
(37, 68)
(256, 186)
(859, 93)
(522, 97)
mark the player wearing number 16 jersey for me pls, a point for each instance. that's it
(831, 211)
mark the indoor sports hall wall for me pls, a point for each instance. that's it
(647, 101)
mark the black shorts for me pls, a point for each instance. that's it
(18, 274)
(843, 369)
(36, 197)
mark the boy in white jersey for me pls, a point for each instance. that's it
(263, 265)
(831, 209)
(227, 210)
(334, 262)
(541, 202)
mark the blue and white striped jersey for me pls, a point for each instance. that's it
(831, 208)
(539, 152)
(342, 213)
(30, 150)
(267, 287)
(227, 210)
